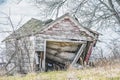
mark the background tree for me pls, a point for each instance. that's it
(90, 13)
(15, 48)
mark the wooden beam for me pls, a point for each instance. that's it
(44, 57)
(64, 40)
(78, 54)
(55, 58)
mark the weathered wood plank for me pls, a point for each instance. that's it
(78, 54)
(66, 55)
(44, 57)
(60, 48)
(55, 58)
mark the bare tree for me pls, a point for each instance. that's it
(15, 53)
(15, 42)
(114, 47)
(91, 13)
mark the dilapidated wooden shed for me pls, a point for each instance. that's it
(51, 44)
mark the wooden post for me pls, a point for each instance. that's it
(32, 39)
(78, 54)
(41, 58)
(89, 53)
(44, 57)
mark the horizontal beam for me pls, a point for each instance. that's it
(55, 58)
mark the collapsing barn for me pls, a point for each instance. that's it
(53, 45)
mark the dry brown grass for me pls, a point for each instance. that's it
(108, 72)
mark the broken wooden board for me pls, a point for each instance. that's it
(78, 54)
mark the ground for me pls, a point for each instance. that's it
(111, 72)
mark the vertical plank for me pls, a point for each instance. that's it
(44, 57)
(41, 57)
(32, 39)
(89, 52)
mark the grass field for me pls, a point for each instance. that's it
(99, 73)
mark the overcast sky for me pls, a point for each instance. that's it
(26, 10)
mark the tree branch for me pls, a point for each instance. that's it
(118, 1)
(114, 11)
